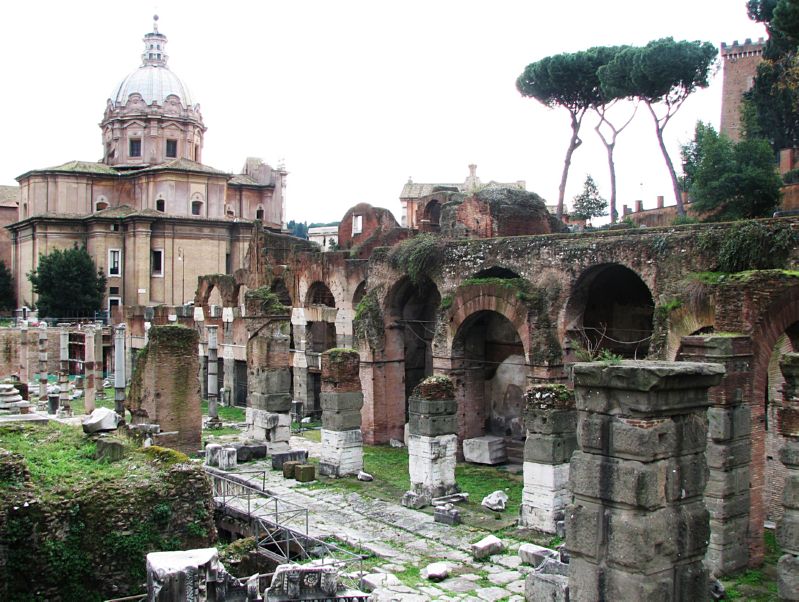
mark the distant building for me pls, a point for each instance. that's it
(325, 236)
(413, 192)
(151, 214)
(740, 68)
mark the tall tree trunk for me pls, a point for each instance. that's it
(610, 147)
(573, 144)
(659, 132)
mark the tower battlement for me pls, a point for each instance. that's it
(748, 48)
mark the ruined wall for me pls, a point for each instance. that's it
(165, 388)
(85, 543)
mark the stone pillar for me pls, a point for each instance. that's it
(43, 404)
(788, 525)
(213, 381)
(551, 423)
(64, 405)
(342, 400)
(199, 324)
(432, 441)
(229, 383)
(23, 373)
(90, 355)
(99, 390)
(728, 449)
(119, 372)
(165, 389)
(638, 528)
(269, 385)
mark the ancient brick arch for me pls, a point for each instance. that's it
(319, 294)
(610, 306)
(225, 284)
(469, 300)
(360, 291)
(769, 326)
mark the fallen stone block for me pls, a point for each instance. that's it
(212, 454)
(227, 458)
(553, 566)
(453, 498)
(305, 473)
(535, 555)
(414, 500)
(289, 468)
(485, 450)
(552, 588)
(396, 443)
(437, 571)
(109, 450)
(365, 476)
(495, 501)
(246, 452)
(294, 455)
(447, 515)
(486, 547)
(101, 419)
(373, 581)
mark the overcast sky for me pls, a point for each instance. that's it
(353, 96)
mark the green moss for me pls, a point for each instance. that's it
(368, 322)
(446, 302)
(164, 456)
(337, 354)
(663, 310)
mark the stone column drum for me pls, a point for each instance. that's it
(90, 355)
(728, 449)
(341, 399)
(229, 383)
(638, 528)
(432, 441)
(269, 385)
(788, 526)
(551, 423)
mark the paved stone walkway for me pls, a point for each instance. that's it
(404, 540)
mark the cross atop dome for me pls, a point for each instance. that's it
(154, 47)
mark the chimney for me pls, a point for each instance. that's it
(639, 206)
(625, 210)
(660, 201)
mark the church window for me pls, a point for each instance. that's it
(114, 262)
(157, 262)
(259, 214)
(196, 207)
(357, 224)
(135, 147)
(171, 148)
(159, 205)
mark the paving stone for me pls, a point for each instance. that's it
(512, 562)
(457, 584)
(492, 593)
(504, 577)
(517, 587)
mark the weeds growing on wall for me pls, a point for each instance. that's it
(750, 245)
(270, 303)
(419, 257)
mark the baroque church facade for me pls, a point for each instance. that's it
(151, 214)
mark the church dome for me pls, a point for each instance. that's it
(154, 83)
(153, 80)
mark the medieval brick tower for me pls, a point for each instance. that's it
(740, 68)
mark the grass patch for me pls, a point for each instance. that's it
(225, 430)
(60, 456)
(411, 576)
(226, 413)
(757, 585)
(312, 435)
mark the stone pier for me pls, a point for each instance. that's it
(213, 380)
(638, 528)
(229, 362)
(43, 404)
(728, 449)
(551, 423)
(432, 441)
(165, 389)
(64, 403)
(342, 400)
(788, 525)
(93, 349)
(268, 373)
(120, 379)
